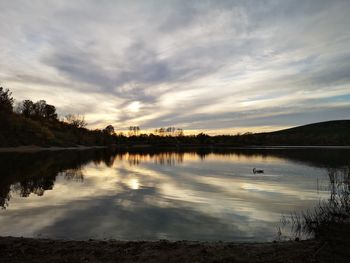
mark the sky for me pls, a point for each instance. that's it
(212, 66)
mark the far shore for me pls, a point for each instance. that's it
(213, 146)
(34, 148)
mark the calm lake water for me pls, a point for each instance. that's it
(200, 195)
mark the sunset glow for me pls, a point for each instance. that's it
(217, 67)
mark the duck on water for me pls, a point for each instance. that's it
(258, 171)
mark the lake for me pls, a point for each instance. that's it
(142, 195)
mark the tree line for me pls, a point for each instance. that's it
(37, 123)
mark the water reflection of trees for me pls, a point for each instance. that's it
(74, 174)
(162, 158)
(35, 173)
(27, 173)
(314, 157)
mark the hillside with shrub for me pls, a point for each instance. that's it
(37, 123)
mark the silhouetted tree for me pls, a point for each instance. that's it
(40, 109)
(77, 121)
(109, 130)
(202, 137)
(50, 112)
(26, 108)
(161, 131)
(6, 100)
(179, 132)
(134, 130)
(170, 131)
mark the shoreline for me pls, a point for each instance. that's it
(34, 148)
(17, 249)
(330, 245)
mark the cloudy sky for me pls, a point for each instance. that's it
(214, 66)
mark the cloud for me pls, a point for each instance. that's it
(198, 65)
(217, 199)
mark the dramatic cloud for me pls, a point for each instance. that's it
(215, 66)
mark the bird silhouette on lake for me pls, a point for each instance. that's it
(258, 171)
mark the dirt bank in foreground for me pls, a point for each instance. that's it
(44, 250)
(332, 245)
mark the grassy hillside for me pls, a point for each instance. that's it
(37, 123)
(17, 130)
(330, 133)
(320, 128)
(322, 133)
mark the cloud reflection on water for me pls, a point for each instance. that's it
(167, 195)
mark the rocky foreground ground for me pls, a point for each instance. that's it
(44, 250)
(333, 245)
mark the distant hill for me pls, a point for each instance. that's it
(320, 128)
(330, 133)
(323, 133)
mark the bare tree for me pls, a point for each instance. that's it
(77, 121)
(161, 131)
(134, 130)
(170, 131)
(179, 132)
